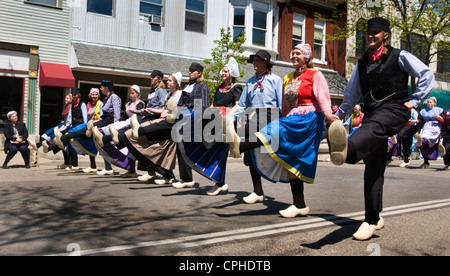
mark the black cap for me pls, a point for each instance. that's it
(107, 83)
(196, 66)
(75, 91)
(378, 24)
(262, 54)
(157, 73)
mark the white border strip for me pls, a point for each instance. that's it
(260, 231)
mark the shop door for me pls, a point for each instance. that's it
(52, 105)
(11, 95)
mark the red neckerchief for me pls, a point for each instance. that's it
(75, 104)
(260, 79)
(223, 87)
(377, 55)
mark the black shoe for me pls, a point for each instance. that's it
(5, 166)
(27, 166)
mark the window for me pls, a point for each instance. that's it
(195, 16)
(298, 30)
(238, 23)
(259, 28)
(319, 40)
(105, 7)
(53, 3)
(418, 46)
(443, 61)
(151, 7)
(259, 21)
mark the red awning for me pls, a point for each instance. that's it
(52, 74)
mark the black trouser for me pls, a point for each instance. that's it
(262, 117)
(405, 138)
(13, 149)
(369, 143)
(446, 142)
(163, 131)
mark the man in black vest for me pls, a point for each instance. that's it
(381, 79)
(78, 115)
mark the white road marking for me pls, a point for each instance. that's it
(265, 230)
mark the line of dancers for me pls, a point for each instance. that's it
(276, 123)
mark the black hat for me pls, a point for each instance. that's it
(157, 73)
(75, 91)
(262, 54)
(378, 24)
(107, 83)
(196, 66)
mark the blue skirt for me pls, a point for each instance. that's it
(207, 159)
(121, 158)
(290, 144)
(80, 145)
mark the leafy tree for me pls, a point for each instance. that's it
(225, 49)
(423, 25)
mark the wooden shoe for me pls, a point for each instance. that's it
(183, 184)
(89, 127)
(90, 170)
(163, 181)
(366, 230)
(57, 139)
(134, 127)
(128, 175)
(32, 144)
(442, 148)
(71, 168)
(216, 190)
(45, 146)
(105, 172)
(171, 106)
(292, 212)
(418, 138)
(230, 136)
(337, 136)
(98, 136)
(253, 198)
(114, 134)
(145, 177)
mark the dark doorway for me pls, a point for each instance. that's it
(11, 95)
(52, 102)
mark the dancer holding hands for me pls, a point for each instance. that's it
(381, 78)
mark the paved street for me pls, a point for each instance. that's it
(47, 211)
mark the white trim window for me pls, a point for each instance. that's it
(195, 16)
(51, 3)
(258, 19)
(151, 7)
(259, 31)
(298, 30)
(152, 11)
(104, 7)
(238, 22)
(319, 41)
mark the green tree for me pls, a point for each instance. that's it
(225, 49)
(423, 25)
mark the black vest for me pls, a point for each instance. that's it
(382, 80)
(77, 115)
